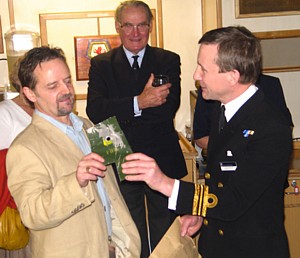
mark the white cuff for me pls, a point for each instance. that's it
(172, 203)
(137, 111)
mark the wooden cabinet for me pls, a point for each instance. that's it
(190, 154)
(292, 215)
(292, 204)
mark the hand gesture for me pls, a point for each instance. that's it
(140, 167)
(153, 96)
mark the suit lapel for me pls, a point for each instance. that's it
(55, 135)
(236, 124)
(124, 74)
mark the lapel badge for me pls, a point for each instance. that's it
(247, 133)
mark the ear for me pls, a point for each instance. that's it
(117, 27)
(150, 27)
(29, 94)
(233, 77)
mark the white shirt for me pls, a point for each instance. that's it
(13, 120)
(137, 111)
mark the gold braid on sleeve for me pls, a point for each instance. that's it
(203, 200)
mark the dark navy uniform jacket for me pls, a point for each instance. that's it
(246, 170)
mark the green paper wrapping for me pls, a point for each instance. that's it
(108, 140)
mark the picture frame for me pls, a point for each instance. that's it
(1, 39)
(86, 47)
(98, 19)
(285, 44)
(156, 36)
(261, 8)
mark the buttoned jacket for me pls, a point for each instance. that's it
(111, 90)
(246, 170)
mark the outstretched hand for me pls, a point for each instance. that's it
(140, 167)
(153, 96)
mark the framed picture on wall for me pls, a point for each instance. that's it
(286, 46)
(86, 47)
(259, 8)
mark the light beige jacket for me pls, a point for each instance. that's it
(64, 219)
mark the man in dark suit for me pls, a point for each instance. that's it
(239, 209)
(272, 89)
(145, 113)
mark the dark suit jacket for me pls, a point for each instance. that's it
(111, 90)
(270, 85)
(248, 220)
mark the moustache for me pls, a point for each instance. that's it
(65, 97)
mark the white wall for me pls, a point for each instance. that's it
(182, 30)
(181, 34)
(290, 80)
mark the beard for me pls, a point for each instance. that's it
(67, 105)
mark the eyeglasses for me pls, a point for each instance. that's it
(128, 27)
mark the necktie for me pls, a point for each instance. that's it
(135, 66)
(222, 118)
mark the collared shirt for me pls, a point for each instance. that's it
(75, 132)
(137, 111)
(130, 54)
(77, 135)
(230, 109)
(233, 106)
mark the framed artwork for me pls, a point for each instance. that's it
(1, 39)
(87, 47)
(286, 46)
(64, 25)
(259, 8)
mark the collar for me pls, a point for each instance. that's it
(130, 54)
(76, 122)
(233, 106)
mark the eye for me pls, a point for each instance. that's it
(52, 86)
(107, 138)
(128, 26)
(68, 81)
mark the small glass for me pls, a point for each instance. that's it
(160, 79)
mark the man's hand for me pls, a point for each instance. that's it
(140, 167)
(90, 167)
(190, 224)
(153, 96)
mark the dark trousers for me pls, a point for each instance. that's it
(159, 216)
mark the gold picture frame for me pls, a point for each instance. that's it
(262, 8)
(156, 36)
(1, 39)
(285, 44)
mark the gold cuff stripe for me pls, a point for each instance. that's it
(203, 200)
(196, 200)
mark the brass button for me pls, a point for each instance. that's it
(221, 232)
(220, 184)
(207, 175)
(205, 222)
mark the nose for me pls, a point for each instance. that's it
(198, 73)
(65, 87)
(135, 30)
